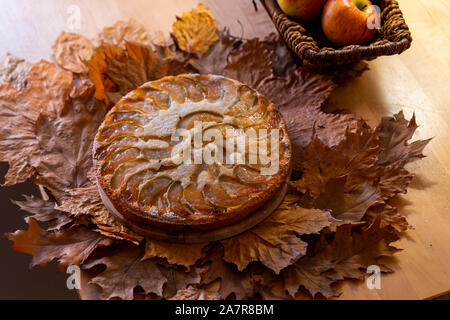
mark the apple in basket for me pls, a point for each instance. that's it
(347, 22)
(304, 10)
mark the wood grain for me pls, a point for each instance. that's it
(416, 81)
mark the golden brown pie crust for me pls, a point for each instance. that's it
(135, 170)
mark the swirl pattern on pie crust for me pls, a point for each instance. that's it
(134, 147)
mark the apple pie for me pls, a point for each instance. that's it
(191, 152)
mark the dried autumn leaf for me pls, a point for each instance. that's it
(395, 132)
(208, 292)
(178, 278)
(72, 246)
(46, 94)
(44, 211)
(196, 30)
(284, 60)
(215, 59)
(65, 145)
(345, 205)
(175, 253)
(353, 157)
(72, 52)
(125, 31)
(275, 242)
(14, 71)
(343, 257)
(232, 280)
(389, 216)
(125, 270)
(87, 201)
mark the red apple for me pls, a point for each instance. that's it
(346, 22)
(304, 10)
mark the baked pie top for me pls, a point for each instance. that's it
(157, 153)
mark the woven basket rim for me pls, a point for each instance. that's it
(311, 53)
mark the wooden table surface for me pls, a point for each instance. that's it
(417, 81)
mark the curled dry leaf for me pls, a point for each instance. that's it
(45, 95)
(196, 30)
(175, 253)
(215, 59)
(232, 281)
(87, 201)
(71, 246)
(275, 242)
(395, 132)
(125, 31)
(178, 278)
(207, 292)
(14, 71)
(125, 270)
(44, 211)
(347, 255)
(389, 216)
(72, 52)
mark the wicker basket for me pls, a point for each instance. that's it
(310, 44)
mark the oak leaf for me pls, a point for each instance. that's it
(125, 270)
(196, 30)
(275, 242)
(14, 71)
(72, 246)
(72, 52)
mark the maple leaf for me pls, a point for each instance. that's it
(342, 257)
(65, 145)
(353, 157)
(14, 71)
(192, 292)
(196, 30)
(388, 215)
(175, 253)
(177, 278)
(125, 270)
(275, 242)
(71, 246)
(87, 201)
(215, 59)
(284, 60)
(345, 206)
(125, 31)
(45, 94)
(72, 51)
(232, 280)
(395, 132)
(44, 211)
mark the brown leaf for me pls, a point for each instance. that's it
(175, 253)
(208, 292)
(389, 216)
(346, 206)
(125, 31)
(65, 145)
(125, 270)
(275, 242)
(14, 71)
(196, 30)
(178, 278)
(72, 52)
(215, 59)
(232, 280)
(72, 246)
(44, 211)
(87, 201)
(284, 60)
(353, 157)
(46, 94)
(395, 132)
(343, 257)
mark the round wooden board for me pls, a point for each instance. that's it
(191, 236)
